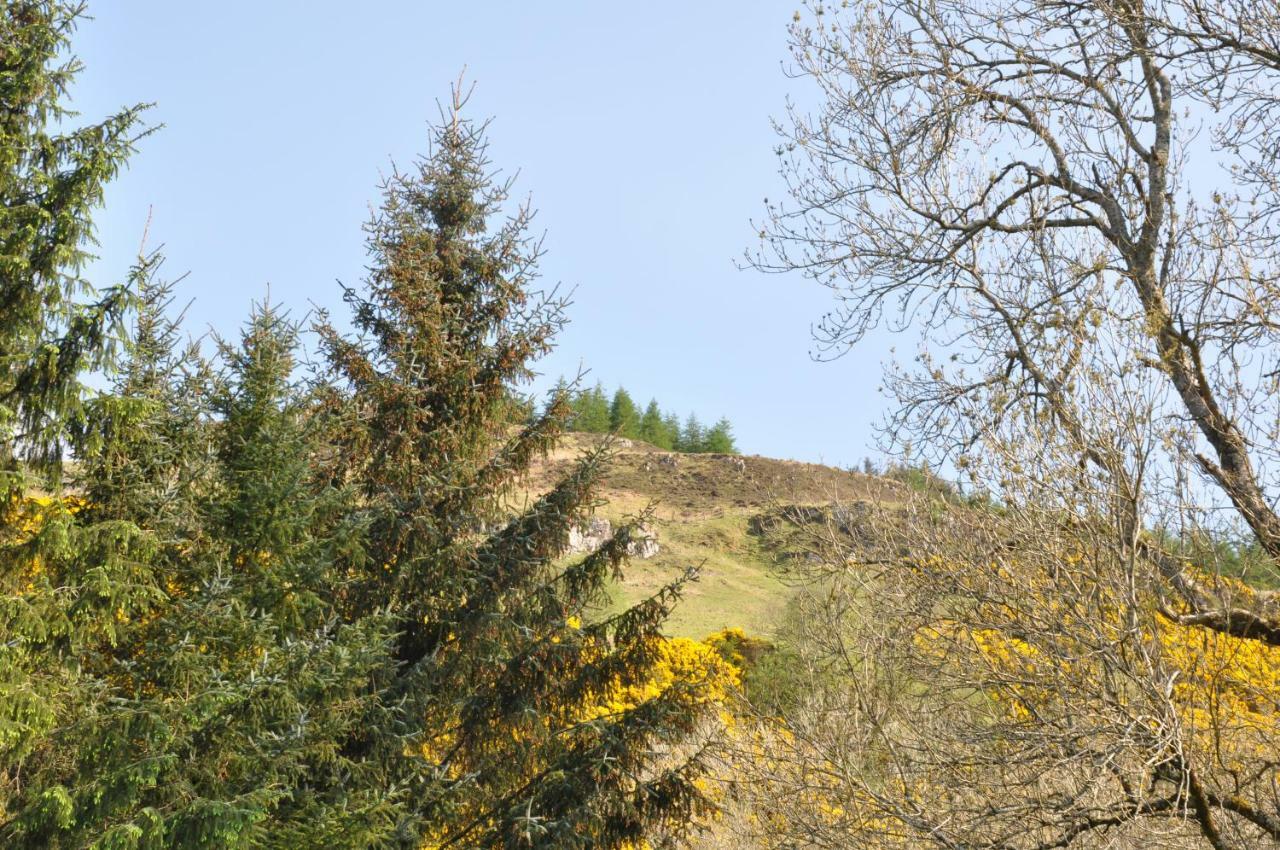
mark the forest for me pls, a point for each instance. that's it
(340, 579)
(593, 412)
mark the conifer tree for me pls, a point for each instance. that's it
(215, 680)
(692, 436)
(52, 323)
(671, 425)
(591, 411)
(73, 581)
(483, 741)
(624, 418)
(53, 326)
(283, 616)
(653, 429)
(719, 438)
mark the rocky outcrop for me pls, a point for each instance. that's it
(589, 537)
(846, 518)
(644, 543)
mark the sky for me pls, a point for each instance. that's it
(640, 132)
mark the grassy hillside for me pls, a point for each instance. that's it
(704, 505)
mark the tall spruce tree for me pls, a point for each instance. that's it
(653, 429)
(624, 418)
(692, 435)
(281, 616)
(490, 737)
(74, 580)
(205, 678)
(590, 411)
(53, 324)
(719, 438)
(671, 424)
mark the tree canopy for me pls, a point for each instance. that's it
(277, 607)
(592, 413)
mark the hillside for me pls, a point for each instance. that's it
(704, 505)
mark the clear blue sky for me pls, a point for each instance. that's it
(640, 130)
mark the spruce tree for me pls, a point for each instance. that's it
(75, 578)
(671, 425)
(653, 429)
(719, 438)
(692, 435)
(53, 324)
(591, 411)
(624, 418)
(488, 738)
(283, 615)
(214, 675)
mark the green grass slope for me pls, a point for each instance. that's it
(703, 510)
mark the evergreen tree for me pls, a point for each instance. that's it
(591, 411)
(198, 502)
(483, 742)
(653, 429)
(719, 438)
(624, 418)
(279, 615)
(671, 425)
(74, 581)
(692, 436)
(53, 324)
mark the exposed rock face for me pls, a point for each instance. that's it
(582, 539)
(846, 518)
(644, 543)
(589, 537)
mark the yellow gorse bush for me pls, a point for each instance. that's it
(1225, 690)
(25, 517)
(695, 671)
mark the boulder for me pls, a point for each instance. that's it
(587, 538)
(644, 543)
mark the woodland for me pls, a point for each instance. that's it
(251, 599)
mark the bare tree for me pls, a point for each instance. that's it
(1002, 679)
(1074, 203)
(1035, 187)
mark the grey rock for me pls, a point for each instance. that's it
(644, 543)
(589, 537)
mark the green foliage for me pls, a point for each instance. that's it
(654, 429)
(284, 613)
(490, 661)
(671, 425)
(53, 324)
(590, 411)
(592, 414)
(624, 418)
(199, 674)
(692, 436)
(719, 439)
(773, 675)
